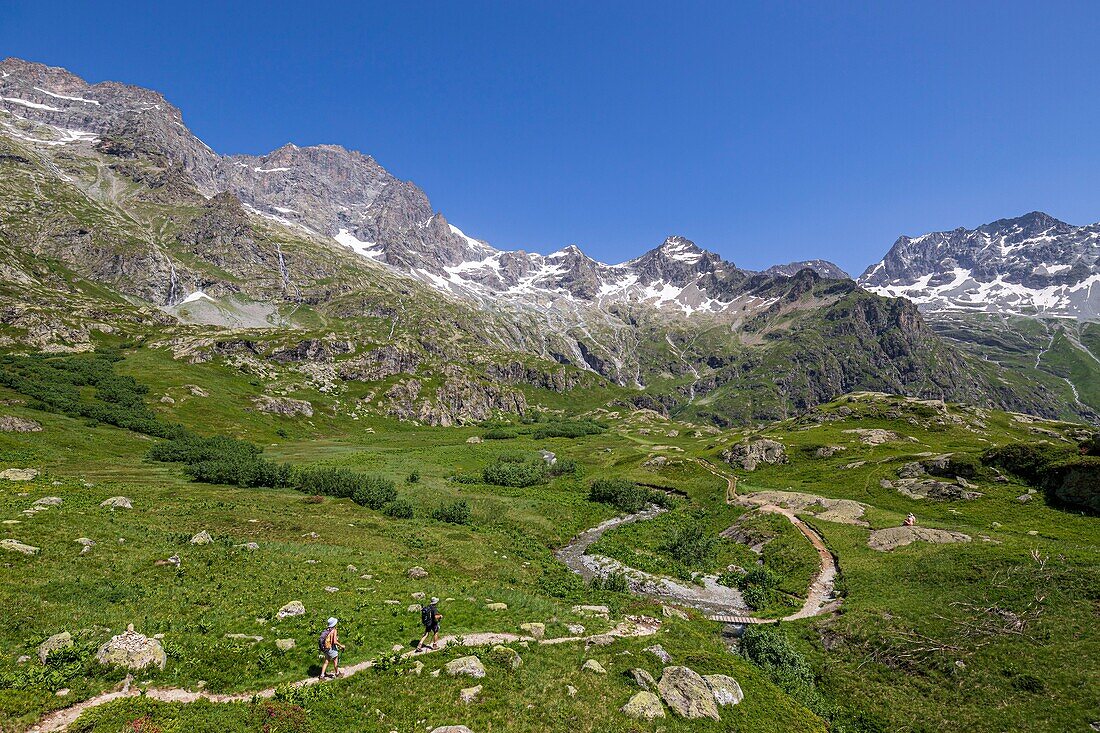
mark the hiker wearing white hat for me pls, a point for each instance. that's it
(330, 646)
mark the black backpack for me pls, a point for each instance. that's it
(427, 615)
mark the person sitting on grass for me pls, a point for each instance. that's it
(429, 617)
(330, 646)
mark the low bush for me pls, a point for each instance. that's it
(399, 509)
(770, 650)
(1068, 476)
(455, 513)
(613, 582)
(500, 434)
(516, 471)
(624, 495)
(566, 467)
(692, 546)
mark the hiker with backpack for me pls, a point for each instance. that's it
(429, 618)
(330, 646)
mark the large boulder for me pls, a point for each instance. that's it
(294, 608)
(117, 502)
(451, 729)
(469, 666)
(534, 628)
(55, 643)
(202, 538)
(417, 573)
(659, 651)
(687, 693)
(725, 689)
(591, 665)
(750, 453)
(19, 474)
(132, 650)
(47, 501)
(469, 694)
(497, 606)
(642, 679)
(643, 705)
(16, 546)
(285, 645)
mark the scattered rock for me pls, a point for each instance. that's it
(419, 595)
(250, 546)
(19, 474)
(601, 611)
(751, 453)
(15, 546)
(1024, 498)
(48, 501)
(417, 573)
(63, 692)
(57, 642)
(132, 650)
(643, 706)
(196, 390)
(167, 400)
(534, 629)
(285, 645)
(828, 451)
(497, 606)
(575, 628)
(294, 608)
(202, 538)
(891, 538)
(469, 666)
(13, 424)
(642, 679)
(570, 690)
(86, 545)
(655, 462)
(244, 637)
(874, 436)
(687, 694)
(413, 608)
(591, 665)
(671, 612)
(284, 406)
(117, 502)
(659, 651)
(474, 439)
(451, 729)
(506, 655)
(725, 689)
(417, 668)
(331, 589)
(928, 488)
(22, 659)
(469, 694)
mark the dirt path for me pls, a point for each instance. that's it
(60, 720)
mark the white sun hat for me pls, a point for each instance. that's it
(332, 621)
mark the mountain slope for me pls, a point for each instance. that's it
(115, 213)
(1030, 265)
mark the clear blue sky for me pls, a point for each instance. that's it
(764, 131)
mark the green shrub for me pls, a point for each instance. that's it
(1066, 476)
(399, 509)
(566, 467)
(756, 597)
(513, 471)
(465, 478)
(244, 472)
(454, 513)
(770, 650)
(624, 495)
(501, 434)
(414, 477)
(692, 546)
(613, 582)
(373, 492)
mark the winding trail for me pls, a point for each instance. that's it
(718, 602)
(60, 720)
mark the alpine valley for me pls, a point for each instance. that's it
(242, 394)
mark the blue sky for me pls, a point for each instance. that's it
(766, 132)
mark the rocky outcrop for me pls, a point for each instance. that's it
(458, 400)
(284, 406)
(13, 424)
(892, 538)
(748, 454)
(19, 474)
(17, 546)
(117, 502)
(55, 643)
(928, 488)
(725, 689)
(380, 363)
(294, 608)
